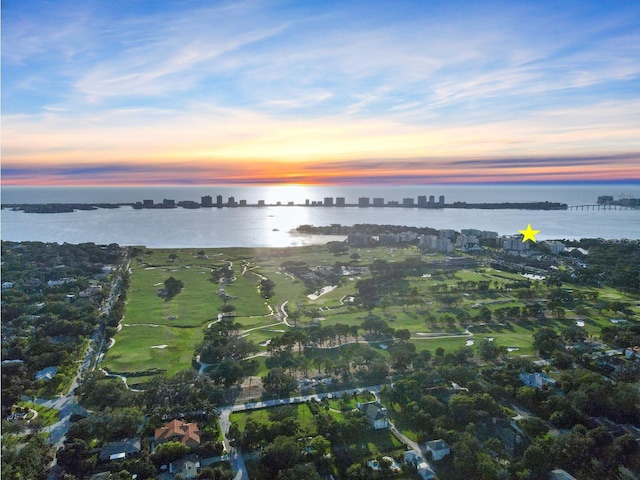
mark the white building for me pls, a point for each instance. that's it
(555, 246)
(447, 233)
(514, 244)
(438, 448)
(428, 241)
(537, 380)
(424, 469)
(359, 240)
(444, 245)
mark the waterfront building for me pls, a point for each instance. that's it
(206, 201)
(363, 202)
(408, 202)
(340, 202)
(555, 246)
(378, 202)
(441, 201)
(261, 203)
(243, 203)
(514, 244)
(147, 203)
(232, 202)
(464, 240)
(422, 201)
(444, 245)
(168, 203)
(446, 233)
(328, 202)
(306, 202)
(290, 204)
(428, 241)
(432, 200)
(408, 236)
(219, 201)
(387, 238)
(605, 200)
(359, 239)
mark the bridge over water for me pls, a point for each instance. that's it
(603, 207)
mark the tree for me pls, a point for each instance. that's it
(169, 451)
(282, 454)
(301, 472)
(546, 340)
(320, 445)
(266, 288)
(173, 287)
(77, 458)
(278, 383)
(403, 334)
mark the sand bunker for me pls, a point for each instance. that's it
(317, 294)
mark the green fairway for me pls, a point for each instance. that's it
(162, 334)
(143, 347)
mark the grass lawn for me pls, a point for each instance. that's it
(134, 352)
(406, 304)
(49, 416)
(300, 412)
(382, 442)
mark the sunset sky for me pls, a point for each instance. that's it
(146, 92)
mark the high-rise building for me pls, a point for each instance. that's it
(378, 202)
(219, 201)
(261, 203)
(422, 201)
(432, 200)
(232, 202)
(363, 202)
(340, 202)
(206, 201)
(441, 201)
(328, 202)
(444, 245)
(408, 202)
(147, 203)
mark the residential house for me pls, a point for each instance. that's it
(120, 450)
(536, 379)
(46, 374)
(179, 431)
(559, 474)
(438, 448)
(632, 353)
(376, 414)
(424, 469)
(187, 466)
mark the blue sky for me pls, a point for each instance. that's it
(126, 92)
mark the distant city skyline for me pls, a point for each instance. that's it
(198, 93)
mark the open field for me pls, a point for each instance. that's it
(436, 308)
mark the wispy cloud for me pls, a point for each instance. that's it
(294, 86)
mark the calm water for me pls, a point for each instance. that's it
(273, 226)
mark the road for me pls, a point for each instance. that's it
(68, 404)
(236, 457)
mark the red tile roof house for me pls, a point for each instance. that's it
(178, 431)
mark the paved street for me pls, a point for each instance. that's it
(237, 460)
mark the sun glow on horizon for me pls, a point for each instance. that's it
(301, 94)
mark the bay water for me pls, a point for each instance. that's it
(274, 226)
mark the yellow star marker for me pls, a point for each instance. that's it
(529, 234)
